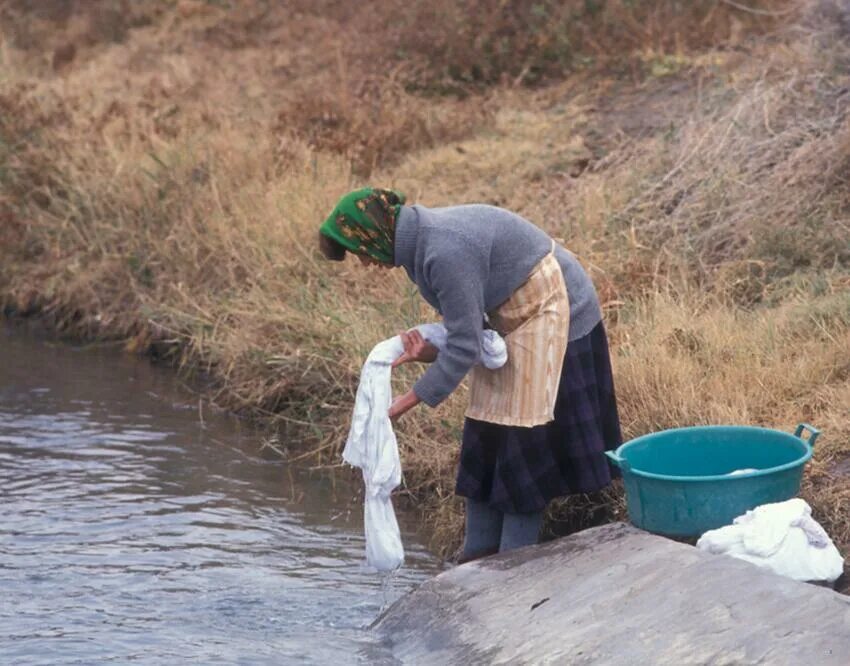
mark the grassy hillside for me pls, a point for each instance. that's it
(164, 166)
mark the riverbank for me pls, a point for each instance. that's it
(163, 171)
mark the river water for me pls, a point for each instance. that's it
(137, 528)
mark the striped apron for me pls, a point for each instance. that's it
(534, 322)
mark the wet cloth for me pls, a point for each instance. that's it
(372, 444)
(363, 222)
(534, 322)
(468, 260)
(782, 537)
(518, 470)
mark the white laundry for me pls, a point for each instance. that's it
(782, 537)
(494, 351)
(372, 444)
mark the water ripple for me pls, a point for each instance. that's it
(128, 533)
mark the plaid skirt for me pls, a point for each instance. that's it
(517, 469)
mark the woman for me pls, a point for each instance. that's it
(536, 428)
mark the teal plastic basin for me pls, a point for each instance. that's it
(679, 483)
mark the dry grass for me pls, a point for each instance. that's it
(162, 185)
(529, 41)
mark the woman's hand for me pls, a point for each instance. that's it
(402, 404)
(416, 348)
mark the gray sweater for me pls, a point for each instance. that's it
(468, 260)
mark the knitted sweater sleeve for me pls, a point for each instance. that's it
(456, 272)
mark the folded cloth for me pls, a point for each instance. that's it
(782, 537)
(740, 472)
(372, 444)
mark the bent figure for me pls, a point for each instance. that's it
(535, 429)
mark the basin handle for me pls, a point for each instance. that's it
(814, 433)
(618, 460)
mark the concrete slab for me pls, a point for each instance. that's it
(616, 595)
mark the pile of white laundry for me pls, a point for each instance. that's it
(372, 444)
(782, 537)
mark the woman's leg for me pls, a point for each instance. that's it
(520, 529)
(483, 530)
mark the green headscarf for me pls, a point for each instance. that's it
(363, 222)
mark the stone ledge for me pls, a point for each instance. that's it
(616, 595)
